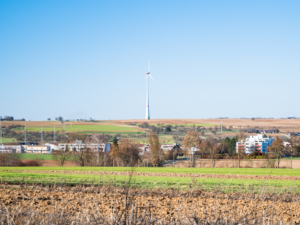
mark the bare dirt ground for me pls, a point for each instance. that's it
(108, 205)
(253, 163)
(195, 175)
(228, 163)
(266, 123)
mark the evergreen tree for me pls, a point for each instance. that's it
(232, 145)
(115, 142)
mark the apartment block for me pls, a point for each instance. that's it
(254, 143)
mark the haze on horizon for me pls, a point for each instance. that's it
(208, 59)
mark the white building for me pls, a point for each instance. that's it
(43, 149)
(77, 145)
(53, 146)
(11, 149)
(254, 143)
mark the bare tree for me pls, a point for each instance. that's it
(190, 140)
(127, 151)
(240, 150)
(84, 156)
(295, 144)
(209, 146)
(156, 151)
(61, 156)
(277, 148)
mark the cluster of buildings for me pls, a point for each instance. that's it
(254, 143)
(49, 147)
(270, 131)
(42, 149)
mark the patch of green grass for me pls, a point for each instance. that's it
(81, 128)
(8, 140)
(28, 156)
(233, 171)
(225, 185)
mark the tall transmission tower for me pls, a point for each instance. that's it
(25, 135)
(54, 135)
(42, 140)
(147, 93)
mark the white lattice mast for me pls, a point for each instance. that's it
(147, 93)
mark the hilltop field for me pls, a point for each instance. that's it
(129, 126)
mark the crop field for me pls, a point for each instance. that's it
(207, 178)
(8, 140)
(98, 128)
(224, 171)
(123, 195)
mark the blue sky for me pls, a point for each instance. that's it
(208, 58)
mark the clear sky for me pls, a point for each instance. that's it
(208, 58)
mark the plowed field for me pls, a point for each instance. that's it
(108, 205)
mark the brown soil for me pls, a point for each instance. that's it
(261, 163)
(107, 204)
(52, 163)
(253, 163)
(266, 123)
(196, 175)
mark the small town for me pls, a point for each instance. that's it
(149, 113)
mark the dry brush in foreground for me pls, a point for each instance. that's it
(88, 204)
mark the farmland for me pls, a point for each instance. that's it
(208, 178)
(8, 140)
(79, 128)
(103, 190)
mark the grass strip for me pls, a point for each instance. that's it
(233, 171)
(211, 184)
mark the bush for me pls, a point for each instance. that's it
(29, 163)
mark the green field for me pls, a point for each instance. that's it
(82, 128)
(233, 171)
(8, 140)
(225, 185)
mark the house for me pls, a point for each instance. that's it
(254, 143)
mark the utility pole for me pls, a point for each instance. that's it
(25, 135)
(221, 125)
(54, 135)
(42, 135)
